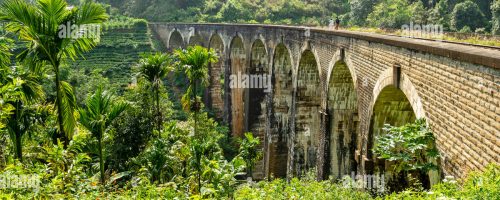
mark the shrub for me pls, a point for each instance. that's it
(410, 149)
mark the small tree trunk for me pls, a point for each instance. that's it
(19, 148)
(158, 114)
(196, 110)
(18, 135)
(62, 133)
(101, 161)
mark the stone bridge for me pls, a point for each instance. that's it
(332, 92)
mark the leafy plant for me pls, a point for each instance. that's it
(38, 24)
(97, 117)
(249, 151)
(154, 68)
(25, 91)
(195, 61)
(409, 148)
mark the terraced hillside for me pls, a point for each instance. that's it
(111, 63)
(118, 51)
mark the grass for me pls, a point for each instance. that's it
(466, 38)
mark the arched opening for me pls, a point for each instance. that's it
(307, 116)
(196, 39)
(259, 85)
(175, 41)
(216, 70)
(391, 107)
(283, 92)
(343, 121)
(257, 89)
(237, 59)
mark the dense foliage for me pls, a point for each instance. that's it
(479, 185)
(478, 14)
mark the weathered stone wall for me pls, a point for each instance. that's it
(217, 78)
(238, 66)
(314, 107)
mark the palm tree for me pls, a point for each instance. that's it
(195, 61)
(25, 91)
(154, 68)
(41, 25)
(98, 115)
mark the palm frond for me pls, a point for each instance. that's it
(195, 61)
(68, 106)
(91, 13)
(100, 111)
(116, 110)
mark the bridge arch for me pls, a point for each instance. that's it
(237, 63)
(392, 105)
(175, 40)
(341, 55)
(256, 92)
(307, 115)
(282, 80)
(343, 121)
(406, 86)
(260, 69)
(217, 77)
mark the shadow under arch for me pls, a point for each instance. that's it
(396, 106)
(259, 86)
(343, 121)
(175, 40)
(280, 119)
(307, 115)
(391, 107)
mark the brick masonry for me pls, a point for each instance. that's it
(454, 87)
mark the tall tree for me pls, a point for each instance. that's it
(43, 25)
(97, 117)
(467, 14)
(195, 61)
(154, 68)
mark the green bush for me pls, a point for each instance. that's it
(467, 14)
(297, 189)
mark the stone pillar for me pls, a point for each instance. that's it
(322, 144)
(291, 138)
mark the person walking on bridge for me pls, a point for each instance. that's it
(337, 23)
